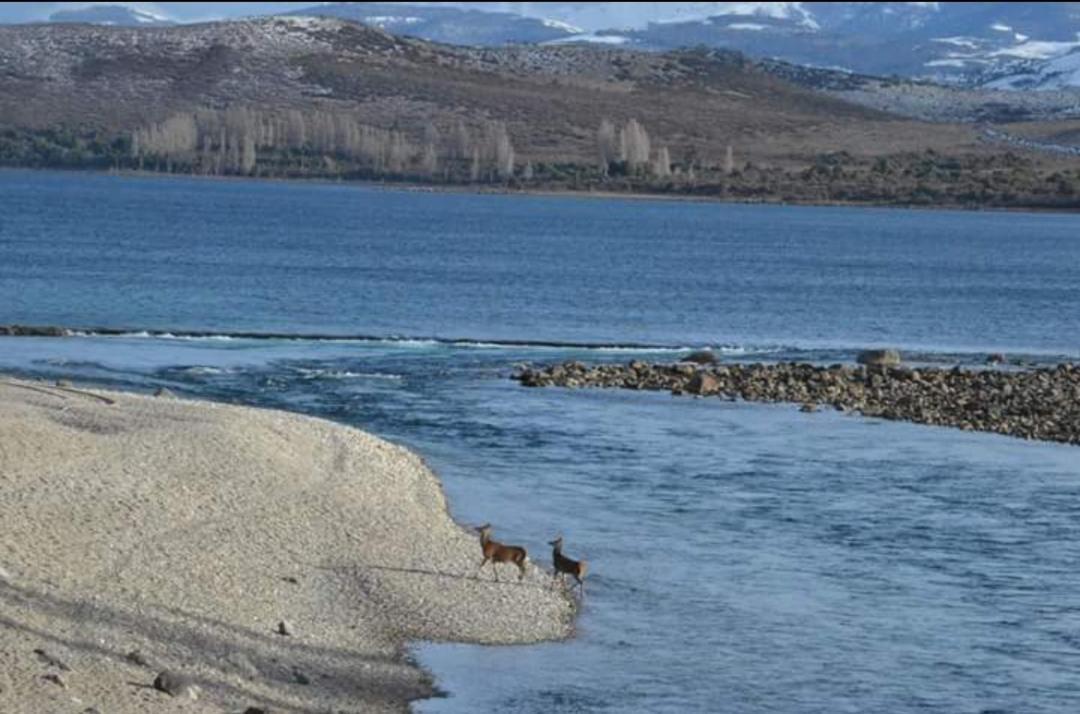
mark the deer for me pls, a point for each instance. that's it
(497, 553)
(566, 566)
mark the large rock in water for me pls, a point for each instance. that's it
(879, 358)
(700, 357)
(33, 331)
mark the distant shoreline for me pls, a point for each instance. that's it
(539, 192)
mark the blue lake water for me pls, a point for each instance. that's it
(745, 557)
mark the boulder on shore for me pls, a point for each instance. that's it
(702, 383)
(701, 357)
(879, 358)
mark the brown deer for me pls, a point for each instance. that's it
(565, 566)
(497, 553)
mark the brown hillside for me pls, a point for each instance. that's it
(551, 98)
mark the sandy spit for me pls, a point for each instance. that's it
(140, 534)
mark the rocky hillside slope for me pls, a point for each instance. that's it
(551, 98)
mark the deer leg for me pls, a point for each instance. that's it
(495, 569)
(521, 567)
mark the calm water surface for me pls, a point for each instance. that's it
(745, 558)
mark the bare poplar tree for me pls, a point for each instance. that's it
(474, 168)
(296, 128)
(397, 155)
(222, 162)
(662, 163)
(607, 145)
(432, 135)
(429, 160)
(502, 150)
(248, 157)
(176, 137)
(729, 160)
(462, 146)
(634, 144)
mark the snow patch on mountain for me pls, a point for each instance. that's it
(1037, 49)
(148, 17)
(1055, 74)
(384, 21)
(967, 42)
(958, 62)
(592, 17)
(111, 15)
(590, 38)
(564, 26)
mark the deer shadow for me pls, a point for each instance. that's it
(475, 577)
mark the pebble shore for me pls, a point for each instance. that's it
(1041, 404)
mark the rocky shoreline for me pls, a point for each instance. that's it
(1042, 404)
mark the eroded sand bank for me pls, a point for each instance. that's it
(187, 532)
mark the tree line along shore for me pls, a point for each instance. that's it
(326, 145)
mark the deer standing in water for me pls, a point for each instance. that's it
(497, 553)
(566, 566)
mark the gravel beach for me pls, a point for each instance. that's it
(159, 554)
(1042, 404)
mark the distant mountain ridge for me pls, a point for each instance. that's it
(952, 42)
(965, 43)
(115, 15)
(450, 25)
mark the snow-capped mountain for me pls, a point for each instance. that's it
(1007, 43)
(950, 41)
(594, 16)
(452, 25)
(944, 41)
(119, 15)
(1058, 73)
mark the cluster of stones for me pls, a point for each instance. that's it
(33, 331)
(1039, 404)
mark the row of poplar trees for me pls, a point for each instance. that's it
(246, 141)
(630, 149)
(242, 141)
